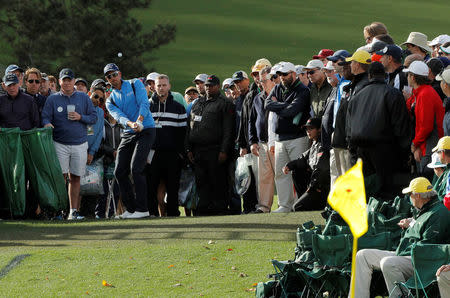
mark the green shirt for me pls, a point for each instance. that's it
(440, 185)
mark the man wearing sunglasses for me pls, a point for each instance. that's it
(290, 101)
(69, 112)
(33, 83)
(320, 88)
(129, 105)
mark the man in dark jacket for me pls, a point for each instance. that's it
(170, 123)
(381, 140)
(210, 140)
(357, 73)
(291, 103)
(312, 178)
(391, 58)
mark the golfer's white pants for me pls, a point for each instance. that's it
(285, 151)
(266, 176)
(394, 268)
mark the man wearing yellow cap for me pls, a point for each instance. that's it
(442, 186)
(430, 224)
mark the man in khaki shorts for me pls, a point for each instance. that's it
(69, 112)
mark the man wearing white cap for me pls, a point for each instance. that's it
(437, 42)
(150, 83)
(302, 75)
(327, 118)
(417, 43)
(442, 150)
(199, 82)
(320, 88)
(290, 100)
(444, 78)
(425, 105)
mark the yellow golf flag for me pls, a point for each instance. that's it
(348, 197)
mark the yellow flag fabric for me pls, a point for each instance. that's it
(348, 197)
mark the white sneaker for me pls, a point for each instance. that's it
(138, 214)
(282, 210)
(75, 216)
(125, 215)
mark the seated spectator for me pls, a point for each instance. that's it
(311, 172)
(441, 186)
(17, 109)
(438, 168)
(430, 224)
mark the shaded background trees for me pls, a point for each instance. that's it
(83, 35)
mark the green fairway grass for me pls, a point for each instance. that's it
(171, 257)
(220, 37)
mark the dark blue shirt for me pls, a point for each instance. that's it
(20, 112)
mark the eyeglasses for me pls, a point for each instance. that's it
(34, 81)
(311, 72)
(284, 74)
(96, 96)
(112, 75)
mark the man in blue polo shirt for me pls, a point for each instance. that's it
(128, 104)
(69, 112)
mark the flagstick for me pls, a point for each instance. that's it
(352, 281)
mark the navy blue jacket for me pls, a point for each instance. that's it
(20, 112)
(290, 103)
(258, 122)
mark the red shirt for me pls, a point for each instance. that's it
(428, 110)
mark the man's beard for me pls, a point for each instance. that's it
(288, 83)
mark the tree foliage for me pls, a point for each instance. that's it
(83, 35)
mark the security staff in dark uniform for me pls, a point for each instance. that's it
(210, 139)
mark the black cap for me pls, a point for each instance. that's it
(10, 78)
(212, 80)
(98, 82)
(435, 65)
(110, 67)
(81, 80)
(313, 122)
(391, 50)
(339, 55)
(66, 73)
(239, 76)
(377, 46)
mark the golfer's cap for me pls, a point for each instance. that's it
(439, 40)
(329, 66)
(285, 67)
(260, 64)
(239, 76)
(444, 76)
(189, 89)
(418, 185)
(315, 63)
(13, 67)
(360, 56)
(110, 67)
(202, 77)
(418, 67)
(10, 78)
(443, 144)
(435, 162)
(226, 82)
(339, 55)
(152, 76)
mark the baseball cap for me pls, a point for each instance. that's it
(274, 69)
(360, 56)
(66, 73)
(391, 50)
(212, 80)
(313, 122)
(444, 76)
(323, 53)
(81, 80)
(152, 76)
(260, 64)
(202, 77)
(435, 65)
(299, 69)
(189, 89)
(239, 75)
(376, 46)
(227, 81)
(339, 55)
(435, 162)
(443, 144)
(13, 67)
(110, 67)
(418, 68)
(329, 66)
(314, 64)
(418, 185)
(44, 76)
(10, 78)
(285, 67)
(439, 40)
(98, 82)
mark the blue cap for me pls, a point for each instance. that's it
(391, 50)
(444, 61)
(339, 55)
(10, 78)
(110, 67)
(66, 73)
(13, 67)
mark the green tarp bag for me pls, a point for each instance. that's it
(43, 169)
(12, 172)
